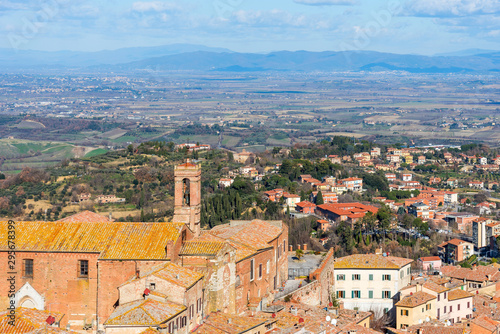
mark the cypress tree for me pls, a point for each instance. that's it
(319, 198)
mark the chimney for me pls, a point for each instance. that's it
(298, 246)
(110, 216)
(291, 248)
(170, 250)
(305, 246)
(137, 274)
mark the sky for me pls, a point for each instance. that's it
(400, 26)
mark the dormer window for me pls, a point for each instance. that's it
(152, 286)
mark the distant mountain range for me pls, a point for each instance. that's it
(187, 57)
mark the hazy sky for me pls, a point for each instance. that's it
(401, 26)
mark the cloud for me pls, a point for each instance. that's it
(154, 6)
(277, 18)
(451, 8)
(326, 2)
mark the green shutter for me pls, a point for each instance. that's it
(371, 277)
(352, 294)
(389, 294)
(383, 277)
(353, 277)
(370, 294)
(389, 277)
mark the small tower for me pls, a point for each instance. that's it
(187, 206)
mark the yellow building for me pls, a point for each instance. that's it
(414, 309)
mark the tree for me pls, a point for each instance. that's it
(319, 198)
(299, 253)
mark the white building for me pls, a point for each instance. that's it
(369, 282)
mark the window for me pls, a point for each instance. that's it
(268, 264)
(444, 295)
(468, 304)
(428, 307)
(444, 309)
(356, 294)
(260, 270)
(386, 294)
(198, 305)
(356, 277)
(401, 274)
(408, 271)
(28, 268)
(370, 294)
(451, 309)
(458, 306)
(386, 277)
(83, 268)
(439, 296)
(252, 268)
(341, 277)
(191, 311)
(152, 286)
(340, 294)
(370, 277)
(404, 313)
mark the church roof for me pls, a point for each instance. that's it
(121, 241)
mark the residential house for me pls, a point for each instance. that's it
(305, 207)
(415, 308)
(476, 184)
(429, 263)
(455, 250)
(369, 281)
(353, 183)
(225, 183)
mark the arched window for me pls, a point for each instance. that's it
(186, 192)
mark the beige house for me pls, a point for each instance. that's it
(415, 308)
(369, 282)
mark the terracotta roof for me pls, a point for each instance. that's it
(242, 251)
(172, 273)
(144, 313)
(430, 258)
(124, 241)
(371, 261)
(27, 321)
(478, 274)
(87, 217)
(226, 323)
(305, 204)
(435, 287)
(150, 331)
(201, 248)
(255, 234)
(416, 299)
(458, 294)
(486, 322)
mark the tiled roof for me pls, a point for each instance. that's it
(305, 204)
(144, 313)
(416, 299)
(486, 322)
(172, 273)
(430, 258)
(435, 287)
(27, 321)
(201, 248)
(478, 274)
(256, 234)
(371, 261)
(226, 323)
(123, 241)
(150, 331)
(242, 251)
(87, 217)
(458, 294)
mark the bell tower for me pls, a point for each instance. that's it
(187, 202)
